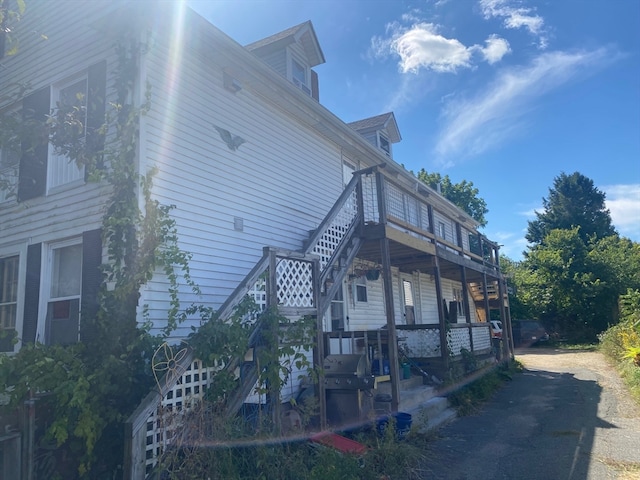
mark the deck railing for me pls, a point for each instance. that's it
(416, 211)
(415, 341)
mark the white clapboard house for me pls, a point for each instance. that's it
(263, 179)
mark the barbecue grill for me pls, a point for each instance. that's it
(348, 383)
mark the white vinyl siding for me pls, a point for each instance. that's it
(281, 182)
(277, 60)
(367, 315)
(428, 299)
(42, 63)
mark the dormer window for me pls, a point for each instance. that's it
(299, 76)
(384, 145)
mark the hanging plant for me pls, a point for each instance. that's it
(373, 274)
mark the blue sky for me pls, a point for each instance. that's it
(506, 94)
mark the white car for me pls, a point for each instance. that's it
(496, 328)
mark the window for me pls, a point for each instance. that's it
(409, 307)
(384, 145)
(69, 98)
(361, 289)
(8, 299)
(299, 76)
(63, 294)
(442, 230)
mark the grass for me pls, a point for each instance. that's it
(387, 457)
(471, 396)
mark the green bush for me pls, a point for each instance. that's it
(621, 343)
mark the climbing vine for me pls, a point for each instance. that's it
(92, 386)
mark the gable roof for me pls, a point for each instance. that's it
(303, 33)
(385, 121)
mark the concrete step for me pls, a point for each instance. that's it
(415, 397)
(432, 414)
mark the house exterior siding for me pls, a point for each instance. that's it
(279, 184)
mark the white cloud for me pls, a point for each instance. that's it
(515, 17)
(477, 124)
(422, 46)
(496, 49)
(623, 201)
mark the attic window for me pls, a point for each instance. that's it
(299, 77)
(383, 143)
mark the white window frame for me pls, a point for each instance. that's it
(46, 284)
(360, 285)
(304, 85)
(408, 293)
(442, 230)
(384, 144)
(61, 172)
(21, 252)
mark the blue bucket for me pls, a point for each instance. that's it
(402, 423)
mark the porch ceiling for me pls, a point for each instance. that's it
(409, 254)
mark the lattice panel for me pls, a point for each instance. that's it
(259, 293)
(481, 338)
(370, 199)
(458, 338)
(162, 424)
(295, 283)
(337, 229)
(423, 343)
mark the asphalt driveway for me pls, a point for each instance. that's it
(567, 416)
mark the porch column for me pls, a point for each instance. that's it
(318, 352)
(465, 293)
(465, 305)
(392, 342)
(485, 294)
(272, 303)
(387, 280)
(507, 334)
(444, 350)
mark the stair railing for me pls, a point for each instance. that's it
(293, 289)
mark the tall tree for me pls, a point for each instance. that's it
(573, 202)
(462, 194)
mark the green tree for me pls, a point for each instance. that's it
(563, 289)
(462, 194)
(573, 202)
(10, 14)
(518, 282)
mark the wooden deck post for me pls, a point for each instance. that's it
(273, 401)
(444, 348)
(392, 346)
(465, 303)
(507, 334)
(485, 294)
(387, 281)
(319, 351)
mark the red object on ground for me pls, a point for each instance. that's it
(338, 442)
